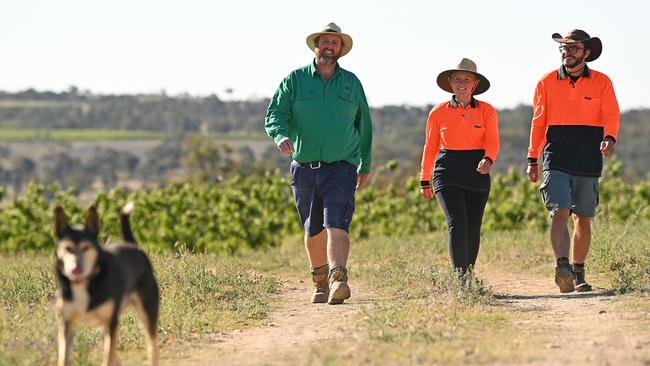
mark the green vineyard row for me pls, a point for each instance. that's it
(253, 212)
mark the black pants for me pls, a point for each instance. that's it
(463, 209)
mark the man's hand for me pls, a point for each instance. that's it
(484, 166)
(286, 146)
(426, 192)
(607, 148)
(533, 172)
(362, 179)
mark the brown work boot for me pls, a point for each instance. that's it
(564, 275)
(339, 289)
(579, 278)
(322, 290)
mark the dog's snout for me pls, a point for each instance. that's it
(76, 270)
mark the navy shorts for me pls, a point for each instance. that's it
(324, 194)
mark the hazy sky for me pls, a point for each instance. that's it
(400, 46)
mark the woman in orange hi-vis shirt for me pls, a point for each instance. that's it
(462, 142)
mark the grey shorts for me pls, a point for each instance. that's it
(576, 193)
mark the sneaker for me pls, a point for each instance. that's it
(321, 287)
(339, 289)
(579, 280)
(564, 277)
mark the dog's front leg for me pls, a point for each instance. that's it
(110, 344)
(66, 332)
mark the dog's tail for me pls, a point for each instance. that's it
(125, 222)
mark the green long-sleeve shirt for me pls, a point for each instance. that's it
(326, 121)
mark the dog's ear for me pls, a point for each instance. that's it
(92, 221)
(60, 222)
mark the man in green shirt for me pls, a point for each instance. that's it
(320, 117)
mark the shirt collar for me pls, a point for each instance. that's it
(563, 74)
(313, 70)
(454, 104)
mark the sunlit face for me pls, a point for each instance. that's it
(78, 259)
(328, 49)
(463, 83)
(573, 54)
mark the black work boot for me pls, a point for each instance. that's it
(321, 291)
(564, 275)
(339, 289)
(579, 278)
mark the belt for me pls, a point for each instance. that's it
(317, 164)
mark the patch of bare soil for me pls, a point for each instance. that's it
(291, 336)
(589, 328)
(548, 328)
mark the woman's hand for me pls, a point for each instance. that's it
(484, 166)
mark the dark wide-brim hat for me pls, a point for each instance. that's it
(466, 65)
(578, 35)
(331, 28)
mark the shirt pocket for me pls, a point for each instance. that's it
(305, 101)
(347, 103)
(477, 134)
(305, 94)
(590, 109)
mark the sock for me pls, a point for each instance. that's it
(563, 260)
(578, 267)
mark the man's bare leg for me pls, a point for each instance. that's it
(560, 242)
(338, 249)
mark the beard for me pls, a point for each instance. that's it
(576, 61)
(327, 59)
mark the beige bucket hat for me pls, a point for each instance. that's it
(331, 28)
(578, 35)
(466, 65)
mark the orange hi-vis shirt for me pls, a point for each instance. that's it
(464, 137)
(570, 120)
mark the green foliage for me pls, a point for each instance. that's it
(258, 211)
(514, 203)
(45, 134)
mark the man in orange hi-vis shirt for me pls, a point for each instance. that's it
(575, 122)
(461, 145)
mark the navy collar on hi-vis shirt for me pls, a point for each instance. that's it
(563, 74)
(454, 104)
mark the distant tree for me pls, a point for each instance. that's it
(66, 171)
(23, 169)
(208, 160)
(161, 160)
(107, 164)
(246, 160)
(274, 159)
(5, 151)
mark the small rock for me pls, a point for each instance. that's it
(602, 312)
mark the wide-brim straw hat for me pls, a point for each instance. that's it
(466, 65)
(578, 35)
(331, 29)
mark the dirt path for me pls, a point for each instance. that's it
(548, 328)
(594, 328)
(291, 334)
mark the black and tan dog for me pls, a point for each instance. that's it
(97, 282)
